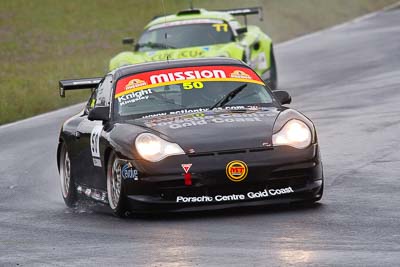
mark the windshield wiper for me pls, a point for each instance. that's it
(223, 101)
(155, 45)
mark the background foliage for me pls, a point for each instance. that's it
(43, 41)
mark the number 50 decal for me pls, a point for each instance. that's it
(191, 85)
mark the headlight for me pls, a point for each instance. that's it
(153, 148)
(294, 133)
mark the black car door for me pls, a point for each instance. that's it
(88, 136)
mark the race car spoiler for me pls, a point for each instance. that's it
(245, 11)
(77, 84)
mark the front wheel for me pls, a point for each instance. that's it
(68, 189)
(115, 186)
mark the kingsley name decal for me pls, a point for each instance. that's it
(134, 97)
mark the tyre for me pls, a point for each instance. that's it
(115, 186)
(273, 81)
(68, 189)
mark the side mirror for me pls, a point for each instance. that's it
(240, 31)
(283, 97)
(128, 41)
(99, 114)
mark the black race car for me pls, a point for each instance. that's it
(184, 135)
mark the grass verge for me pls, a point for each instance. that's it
(43, 41)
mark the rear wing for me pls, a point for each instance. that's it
(246, 11)
(77, 84)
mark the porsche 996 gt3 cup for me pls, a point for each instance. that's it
(185, 135)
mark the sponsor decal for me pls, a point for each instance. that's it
(186, 167)
(240, 74)
(95, 144)
(95, 140)
(185, 22)
(187, 53)
(236, 170)
(186, 75)
(188, 179)
(187, 175)
(134, 97)
(191, 85)
(221, 27)
(135, 83)
(266, 193)
(206, 111)
(128, 172)
(203, 118)
(96, 194)
(97, 162)
(157, 78)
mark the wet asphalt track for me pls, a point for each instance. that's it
(346, 79)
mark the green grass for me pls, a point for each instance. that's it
(43, 41)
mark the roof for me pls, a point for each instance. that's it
(192, 14)
(178, 63)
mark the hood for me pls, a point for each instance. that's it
(216, 130)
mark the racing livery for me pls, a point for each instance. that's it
(200, 33)
(185, 135)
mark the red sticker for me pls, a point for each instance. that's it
(188, 179)
(186, 167)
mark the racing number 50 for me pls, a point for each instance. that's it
(191, 85)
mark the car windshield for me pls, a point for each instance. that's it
(186, 35)
(190, 89)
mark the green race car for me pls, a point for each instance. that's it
(198, 33)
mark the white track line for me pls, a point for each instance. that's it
(290, 42)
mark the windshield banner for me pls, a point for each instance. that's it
(184, 22)
(146, 80)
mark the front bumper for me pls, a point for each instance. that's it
(280, 175)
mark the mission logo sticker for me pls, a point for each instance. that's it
(236, 170)
(239, 74)
(135, 83)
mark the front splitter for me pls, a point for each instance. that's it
(151, 204)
